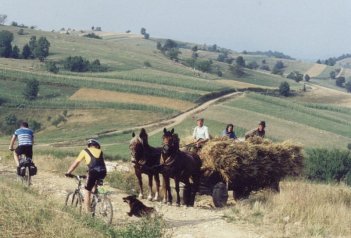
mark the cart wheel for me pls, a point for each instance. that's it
(220, 194)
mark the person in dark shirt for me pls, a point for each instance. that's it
(259, 131)
(229, 132)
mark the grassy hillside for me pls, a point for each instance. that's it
(73, 106)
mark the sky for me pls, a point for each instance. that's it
(303, 29)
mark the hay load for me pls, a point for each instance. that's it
(253, 164)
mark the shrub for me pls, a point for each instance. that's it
(31, 89)
(147, 64)
(92, 35)
(284, 89)
(124, 181)
(340, 81)
(328, 165)
(51, 67)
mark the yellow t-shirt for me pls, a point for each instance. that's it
(83, 155)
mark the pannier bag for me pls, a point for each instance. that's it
(21, 169)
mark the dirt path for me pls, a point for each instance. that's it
(178, 119)
(202, 221)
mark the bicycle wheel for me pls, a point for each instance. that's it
(26, 179)
(74, 200)
(103, 209)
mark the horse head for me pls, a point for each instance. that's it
(136, 145)
(170, 141)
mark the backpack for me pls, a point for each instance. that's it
(97, 165)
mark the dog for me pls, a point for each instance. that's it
(137, 208)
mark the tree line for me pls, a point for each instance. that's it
(34, 49)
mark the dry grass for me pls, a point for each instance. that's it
(316, 70)
(325, 95)
(301, 209)
(255, 162)
(110, 96)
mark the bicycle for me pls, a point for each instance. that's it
(26, 169)
(101, 206)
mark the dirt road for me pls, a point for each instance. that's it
(201, 221)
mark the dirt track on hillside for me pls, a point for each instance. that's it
(201, 221)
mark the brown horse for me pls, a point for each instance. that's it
(145, 159)
(181, 166)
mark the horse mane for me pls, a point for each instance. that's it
(144, 137)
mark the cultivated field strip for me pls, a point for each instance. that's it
(277, 128)
(87, 94)
(293, 112)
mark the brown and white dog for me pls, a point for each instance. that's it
(137, 208)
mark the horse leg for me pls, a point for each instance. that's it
(176, 180)
(149, 197)
(140, 182)
(168, 194)
(157, 179)
(194, 188)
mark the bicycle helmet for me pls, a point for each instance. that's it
(93, 142)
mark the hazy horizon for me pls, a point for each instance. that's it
(304, 30)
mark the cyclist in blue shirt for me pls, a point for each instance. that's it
(25, 138)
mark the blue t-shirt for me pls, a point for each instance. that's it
(230, 135)
(24, 136)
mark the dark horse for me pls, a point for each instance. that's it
(181, 166)
(145, 159)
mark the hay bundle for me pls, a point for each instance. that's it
(253, 164)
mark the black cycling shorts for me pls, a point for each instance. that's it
(26, 150)
(94, 176)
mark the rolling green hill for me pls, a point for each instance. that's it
(143, 86)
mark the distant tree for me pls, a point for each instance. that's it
(332, 74)
(173, 53)
(240, 61)
(194, 54)
(204, 65)
(170, 49)
(265, 67)
(263, 61)
(143, 31)
(219, 73)
(252, 65)
(92, 35)
(213, 48)
(15, 52)
(52, 67)
(92, 28)
(31, 89)
(98, 28)
(237, 70)
(340, 81)
(169, 44)
(26, 52)
(146, 36)
(284, 89)
(128, 31)
(348, 86)
(41, 50)
(222, 56)
(319, 61)
(278, 68)
(3, 18)
(295, 75)
(307, 77)
(76, 64)
(32, 44)
(6, 38)
(159, 45)
(20, 32)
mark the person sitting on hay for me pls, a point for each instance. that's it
(259, 131)
(229, 132)
(200, 134)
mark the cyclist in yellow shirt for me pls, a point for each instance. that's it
(94, 159)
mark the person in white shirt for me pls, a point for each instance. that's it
(200, 133)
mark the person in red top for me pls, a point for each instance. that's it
(94, 159)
